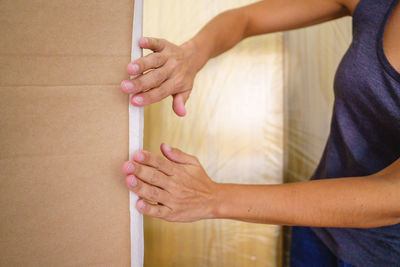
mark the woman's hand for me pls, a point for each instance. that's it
(170, 70)
(175, 188)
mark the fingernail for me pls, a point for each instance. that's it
(167, 148)
(128, 86)
(138, 100)
(142, 205)
(139, 156)
(133, 68)
(133, 181)
(130, 167)
(143, 41)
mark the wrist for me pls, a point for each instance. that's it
(220, 198)
(196, 53)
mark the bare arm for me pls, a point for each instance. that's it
(186, 193)
(357, 202)
(171, 69)
(227, 29)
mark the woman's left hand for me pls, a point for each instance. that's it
(173, 188)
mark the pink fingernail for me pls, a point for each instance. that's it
(139, 156)
(143, 41)
(127, 86)
(142, 205)
(130, 167)
(138, 100)
(133, 68)
(167, 148)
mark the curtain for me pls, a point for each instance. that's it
(311, 58)
(234, 126)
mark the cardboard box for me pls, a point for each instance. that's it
(63, 132)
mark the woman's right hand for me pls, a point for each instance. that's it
(169, 70)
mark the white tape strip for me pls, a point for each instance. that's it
(136, 143)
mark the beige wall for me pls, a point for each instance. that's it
(234, 125)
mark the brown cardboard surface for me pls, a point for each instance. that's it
(63, 132)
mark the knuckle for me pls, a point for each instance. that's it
(159, 59)
(153, 194)
(158, 76)
(179, 82)
(137, 83)
(138, 170)
(158, 160)
(161, 165)
(145, 193)
(152, 178)
(138, 188)
(173, 63)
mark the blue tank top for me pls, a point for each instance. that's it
(365, 132)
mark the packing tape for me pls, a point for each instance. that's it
(136, 143)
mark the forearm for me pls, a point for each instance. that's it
(230, 27)
(361, 202)
(219, 35)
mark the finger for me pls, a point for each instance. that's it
(144, 190)
(153, 95)
(178, 156)
(127, 86)
(128, 167)
(151, 79)
(154, 44)
(153, 210)
(178, 104)
(151, 61)
(144, 82)
(151, 175)
(155, 161)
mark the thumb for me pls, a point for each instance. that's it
(178, 104)
(177, 155)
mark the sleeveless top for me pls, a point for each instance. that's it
(365, 132)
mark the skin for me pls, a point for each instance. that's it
(175, 187)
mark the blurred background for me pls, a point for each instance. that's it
(258, 114)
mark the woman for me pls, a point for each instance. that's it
(353, 217)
